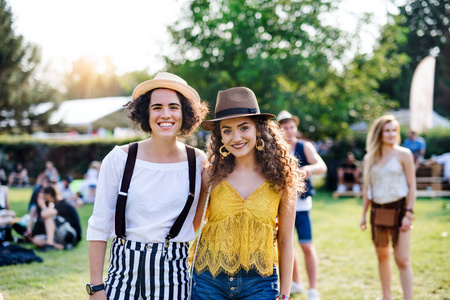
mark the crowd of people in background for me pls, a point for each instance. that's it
(52, 220)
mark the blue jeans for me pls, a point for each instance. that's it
(241, 286)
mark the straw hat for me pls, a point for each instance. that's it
(165, 80)
(285, 115)
(234, 103)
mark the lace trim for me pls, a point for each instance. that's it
(249, 247)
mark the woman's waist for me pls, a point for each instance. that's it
(242, 217)
(399, 203)
(154, 246)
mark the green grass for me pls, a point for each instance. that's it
(347, 267)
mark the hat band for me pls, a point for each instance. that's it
(235, 111)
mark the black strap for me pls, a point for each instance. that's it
(235, 111)
(123, 194)
(175, 230)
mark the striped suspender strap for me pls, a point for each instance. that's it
(123, 194)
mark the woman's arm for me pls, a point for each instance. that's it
(6, 192)
(366, 201)
(202, 200)
(97, 251)
(316, 164)
(286, 220)
(407, 161)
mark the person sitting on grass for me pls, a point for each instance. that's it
(18, 177)
(67, 193)
(348, 175)
(57, 223)
(8, 218)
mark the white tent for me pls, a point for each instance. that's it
(90, 114)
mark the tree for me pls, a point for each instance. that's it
(284, 53)
(427, 25)
(92, 78)
(20, 94)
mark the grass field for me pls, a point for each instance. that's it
(347, 268)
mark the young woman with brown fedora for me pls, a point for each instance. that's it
(146, 198)
(253, 179)
(390, 190)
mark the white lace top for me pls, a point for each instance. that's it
(387, 183)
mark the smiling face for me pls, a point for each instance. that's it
(165, 113)
(389, 133)
(239, 136)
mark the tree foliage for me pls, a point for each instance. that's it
(95, 78)
(285, 54)
(427, 23)
(20, 94)
(92, 78)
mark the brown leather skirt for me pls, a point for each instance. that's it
(380, 235)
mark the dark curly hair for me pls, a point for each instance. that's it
(193, 113)
(275, 161)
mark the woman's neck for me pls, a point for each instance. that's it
(162, 148)
(387, 148)
(242, 163)
(293, 142)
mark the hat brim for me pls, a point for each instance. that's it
(293, 118)
(153, 84)
(209, 124)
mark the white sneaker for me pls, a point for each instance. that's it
(296, 288)
(341, 188)
(313, 294)
(356, 188)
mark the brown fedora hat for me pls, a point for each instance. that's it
(234, 103)
(166, 80)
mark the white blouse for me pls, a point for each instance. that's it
(388, 183)
(156, 197)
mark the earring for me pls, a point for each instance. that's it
(224, 154)
(261, 146)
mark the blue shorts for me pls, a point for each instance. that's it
(243, 285)
(303, 226)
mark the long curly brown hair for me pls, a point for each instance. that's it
(275, 161)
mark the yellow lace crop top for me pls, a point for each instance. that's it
(239, 232)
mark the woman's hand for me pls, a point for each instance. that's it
(406, 223)
(362, 224)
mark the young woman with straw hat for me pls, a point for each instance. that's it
(147, 259)
(253, 179)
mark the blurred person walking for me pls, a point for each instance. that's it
(310, 162)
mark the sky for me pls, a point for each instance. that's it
(133, 32)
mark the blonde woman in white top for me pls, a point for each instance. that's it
(390, 183)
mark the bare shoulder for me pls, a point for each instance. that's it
(309, 147)
(198, 152)
(124, 148)
(205, 175)
(404, 154)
